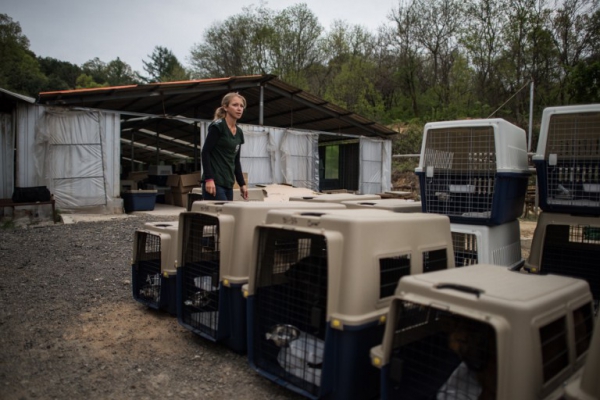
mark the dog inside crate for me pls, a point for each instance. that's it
(291, 304)
(442, 355)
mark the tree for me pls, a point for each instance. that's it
(164, 66)
(241, 45)
(62, 75)
(575, 32)
(119, 73)
(19, 68)
(295, 44)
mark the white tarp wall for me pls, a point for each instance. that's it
(375, 166)
(300, 159)
(77, 158)
(7, 146)
(277, 155)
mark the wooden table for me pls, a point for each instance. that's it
(9, 203)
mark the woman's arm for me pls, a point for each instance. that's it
(211, 141)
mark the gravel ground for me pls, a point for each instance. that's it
(70, 328)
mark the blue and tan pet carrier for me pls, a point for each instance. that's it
(216, 246)
(153, 269)
(474, 171)
(319, 290)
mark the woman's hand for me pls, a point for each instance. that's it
(210, 187)
(244, 191)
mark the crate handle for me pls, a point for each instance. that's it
(460, 288)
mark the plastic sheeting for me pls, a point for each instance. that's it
(300, 159)
(375, 166)
(7, 145)
(70, 154)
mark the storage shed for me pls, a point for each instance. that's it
(103, 134)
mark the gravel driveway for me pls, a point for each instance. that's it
(70, 329)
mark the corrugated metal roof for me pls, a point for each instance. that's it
(284, 105)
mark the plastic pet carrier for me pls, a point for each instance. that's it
(567, 159)
(335, 197)
(395, 205)
(254, 194)
(481, 244)
(474, 171)
(216, 248)
(153, 269)
(483, 332)
(319, 289)
(569, 245)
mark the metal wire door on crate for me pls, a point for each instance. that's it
(465, 249)
(572, 159)
(290, 306)
(147, 267)
(200, 268)
(573, 250)
(440, 355)
(460, 165)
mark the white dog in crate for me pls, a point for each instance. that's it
(303, 358)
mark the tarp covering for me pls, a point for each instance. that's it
(7, 145)
(375, 166)
(300, 159)
(70, 154)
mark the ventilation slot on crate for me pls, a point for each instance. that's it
(147, 268)
(424, 362)
(200, 273)
(465, 248)
(568, 168)
(573, 250)
(290, 306)
(391, 269)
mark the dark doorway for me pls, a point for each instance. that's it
(339, 166)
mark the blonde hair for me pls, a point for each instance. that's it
(220, 112)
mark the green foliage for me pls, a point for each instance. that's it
(61, 75)
(164, 67)
(585, 82)
(19, 68)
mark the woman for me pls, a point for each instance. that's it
(221, 152)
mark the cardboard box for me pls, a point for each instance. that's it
(137, 176)
(236, 186)
(160, 170)
(169, 198)
(184, 183)
(180, 199)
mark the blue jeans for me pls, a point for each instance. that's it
(222, 193)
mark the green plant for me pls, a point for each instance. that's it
(57, 215)
(8, 224)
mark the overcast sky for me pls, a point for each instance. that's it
(79, 30)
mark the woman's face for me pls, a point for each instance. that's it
(235, 108)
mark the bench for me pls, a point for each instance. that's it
(9, 203)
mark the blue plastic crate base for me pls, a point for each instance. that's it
(153, 289)
(467, 199)
(337, 367)
(139, 200)
(214, 313)
(568, 187)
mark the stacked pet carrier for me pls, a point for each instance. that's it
(216, 246)
(395, 205)
(567, 161)
(319, 290)
(483, 332)
(476, 173)
(154, 263)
